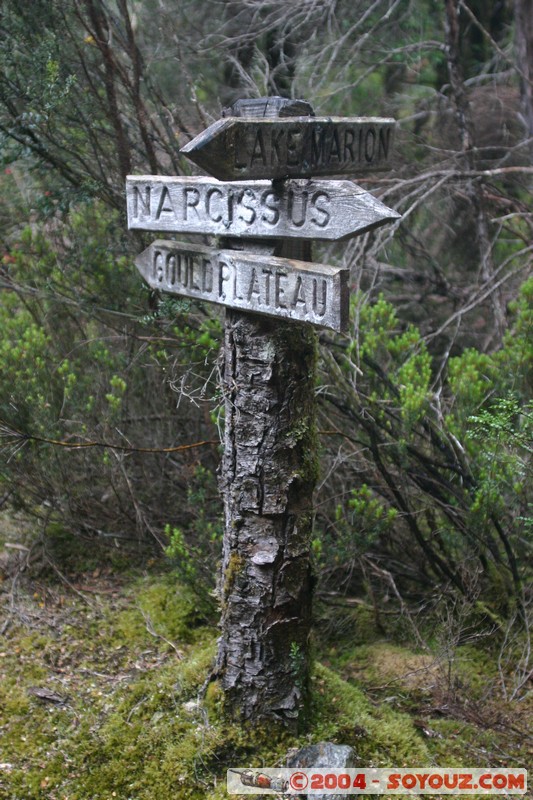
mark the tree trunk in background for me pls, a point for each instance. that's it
(473, 189)
(524, 59)
(267, 479)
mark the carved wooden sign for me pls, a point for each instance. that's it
(305, 209)
(262, 284)
(239, 148)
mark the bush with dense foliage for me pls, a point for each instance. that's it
(425, 403)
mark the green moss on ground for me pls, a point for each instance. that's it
(380, 736)
(130, 668)
(130, 657)
(124, 665)
(453, 696)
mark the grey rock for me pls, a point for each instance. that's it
(321, 755)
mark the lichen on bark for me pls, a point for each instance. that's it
(267, 479)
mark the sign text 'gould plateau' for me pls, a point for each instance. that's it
(262, 284)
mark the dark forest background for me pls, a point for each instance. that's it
(109, 399)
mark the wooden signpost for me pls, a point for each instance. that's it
(295, 147)
(269, 467)
(305, 209)
(261, 284)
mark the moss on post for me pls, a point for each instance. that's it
(268, 476)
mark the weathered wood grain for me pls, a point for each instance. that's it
(237, 148)
(262, 284)
(305, 209)
(267, 479)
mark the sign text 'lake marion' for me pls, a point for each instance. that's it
(304, 209)
(262, 284)
(238, 148)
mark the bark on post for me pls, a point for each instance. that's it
(268, 475)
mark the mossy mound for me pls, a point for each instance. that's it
(124, 660)
(130, 666)
(380, 736)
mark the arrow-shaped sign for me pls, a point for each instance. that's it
(258, 209)
(238, 148)
(263, 284)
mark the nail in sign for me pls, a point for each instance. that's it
(262, 284)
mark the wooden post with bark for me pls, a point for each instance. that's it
(267, 478)
(269, 467)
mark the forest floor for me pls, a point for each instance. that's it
(102, 662)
